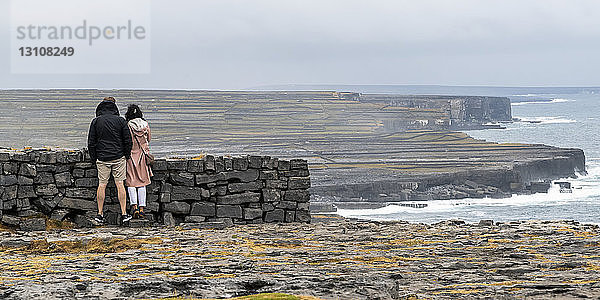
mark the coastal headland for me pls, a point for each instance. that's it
(361, 148)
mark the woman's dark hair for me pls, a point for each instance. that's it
(133, 112)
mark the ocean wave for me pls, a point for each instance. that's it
(550, 101)
(547, 120)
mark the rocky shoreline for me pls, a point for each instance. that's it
(332, 258)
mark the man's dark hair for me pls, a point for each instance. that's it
(133, 112)
(110, 99)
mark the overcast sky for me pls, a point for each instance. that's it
(228, 44)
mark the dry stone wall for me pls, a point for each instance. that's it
(41, 184)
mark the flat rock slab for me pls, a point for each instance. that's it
(334, 259)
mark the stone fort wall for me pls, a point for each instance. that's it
(37, 185)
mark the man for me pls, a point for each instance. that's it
(109, 144)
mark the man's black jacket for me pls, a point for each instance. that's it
(109, 137)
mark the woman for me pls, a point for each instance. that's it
(138, 172)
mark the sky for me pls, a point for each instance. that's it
(235, 44)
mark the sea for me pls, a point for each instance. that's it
(564, 117)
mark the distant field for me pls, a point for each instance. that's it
(345, 139)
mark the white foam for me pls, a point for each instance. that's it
(555, 100)
(547, 120)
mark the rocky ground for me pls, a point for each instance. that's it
(332, 259)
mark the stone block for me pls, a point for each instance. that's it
(207, 209)
(246, 197)
(254, 162)
(152, 206)
(219, 164)
(252, 213)
(166, 198)
(303, 206)
(189, 193)
(229, 211)
(4, 156)
(33, 224)
(159, 165)
(289, 205)
(297, 195)
(166, 188)
(269, 175)
(168, 219)
(46, 190)
(182, 178)
(240, 163)
(79, 204)
(91, 173)
(23, 203)
(43, 178)
(6, 180)
(228, 163)
(83, 221)
(283, 165)
(10, 168)
(47, 158)
(63, 179)
(25, 180)
(9, 204)
(208, 178)
(295, 173)
(84, 193)
(46, 168)
(27, 170)
(271, 195)
(243, 176)
(11, 220)
(160, 176)
(177, 207)
(276, 184)
(209, 163)
(78, 173)
(25, 191)
(62, 168)
(86, 182)
(269, 163)
(84, 165)
(21, 156)
(195, 166)
(289, 216)
(176, 165)
(277, 215)
(10, 192)
(245, 186)
(299, 183)
(267, 207)
(298, 164)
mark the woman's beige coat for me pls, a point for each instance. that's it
(138, 173)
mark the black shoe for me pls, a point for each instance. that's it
(99, 220)
(126, 218)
